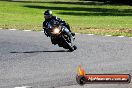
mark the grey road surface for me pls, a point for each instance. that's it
(29, 59)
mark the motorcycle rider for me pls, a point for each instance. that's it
(48, 17)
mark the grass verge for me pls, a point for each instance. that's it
(83, 16)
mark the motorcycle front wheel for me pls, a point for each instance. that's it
(68, 45)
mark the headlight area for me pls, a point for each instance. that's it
(56, 31)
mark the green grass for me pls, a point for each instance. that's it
(84, 17)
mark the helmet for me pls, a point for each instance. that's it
(48, 12)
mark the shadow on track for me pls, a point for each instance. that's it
(40, 51)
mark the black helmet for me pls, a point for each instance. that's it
(48, 12)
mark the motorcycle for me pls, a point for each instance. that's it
(58, 36)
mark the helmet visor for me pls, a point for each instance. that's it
(47, 16)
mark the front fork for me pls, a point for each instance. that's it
(71, 38)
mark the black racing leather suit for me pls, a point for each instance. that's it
(56, 19)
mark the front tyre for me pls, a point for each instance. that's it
(71, 49)
(75, 47)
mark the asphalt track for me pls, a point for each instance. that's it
(29, 59)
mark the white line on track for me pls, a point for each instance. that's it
(75, 33)
(27, 30)
(24, 87)
(90, 34)
(12, 29)
(108, 35)
(120, 36)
